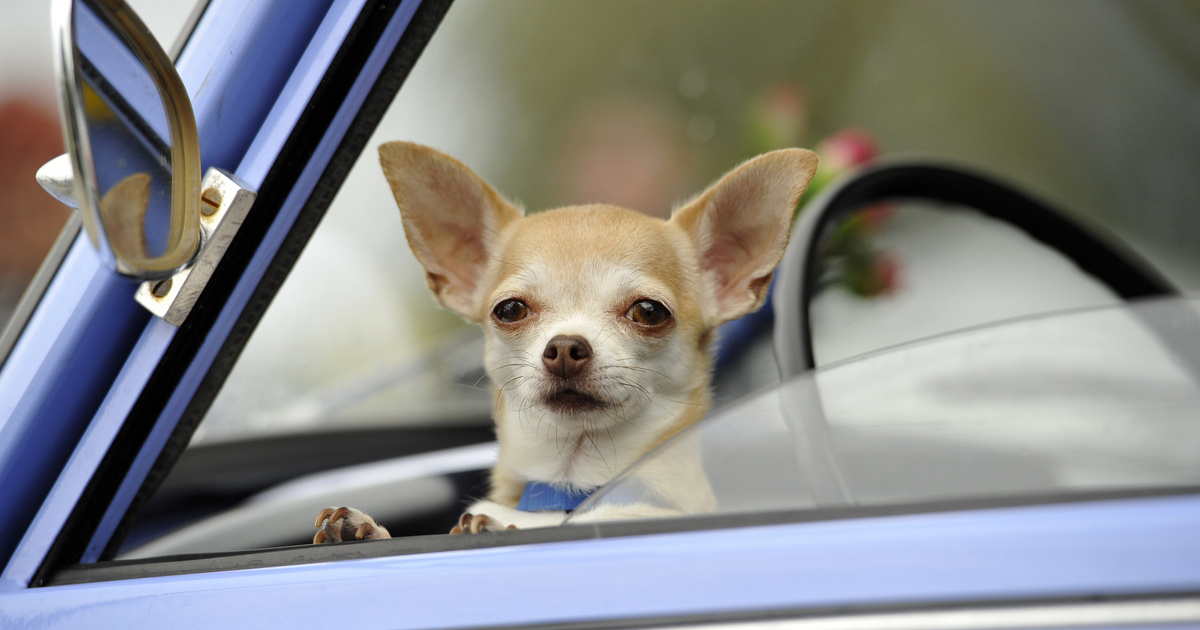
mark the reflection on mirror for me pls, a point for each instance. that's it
(132, 139)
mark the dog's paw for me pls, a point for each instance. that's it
(345, 524)
(475, 523)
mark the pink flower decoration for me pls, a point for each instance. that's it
(886, 272)
(875, 215)
(847, 148)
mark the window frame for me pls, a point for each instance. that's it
(313, 81)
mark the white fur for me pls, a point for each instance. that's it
(646, 389)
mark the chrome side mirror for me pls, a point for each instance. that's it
(132, 167)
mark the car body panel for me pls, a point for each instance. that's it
(1075, 550)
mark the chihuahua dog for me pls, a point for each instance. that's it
(598, 322)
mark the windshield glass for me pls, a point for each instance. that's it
(642, 104)
(1099, 399)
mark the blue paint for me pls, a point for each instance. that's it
(262, 43)
(62, 498)
(1134, 546)
(54, 380)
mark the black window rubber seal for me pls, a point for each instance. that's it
(1101, 257)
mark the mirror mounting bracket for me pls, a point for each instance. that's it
(225, 201)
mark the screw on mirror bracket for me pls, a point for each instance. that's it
(161, 288)
(223, 206)
(210, 201)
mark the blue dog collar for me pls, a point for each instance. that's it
(543, 497)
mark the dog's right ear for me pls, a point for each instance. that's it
(741, 224)
(451, 218)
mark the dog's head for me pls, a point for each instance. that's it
(597, 314)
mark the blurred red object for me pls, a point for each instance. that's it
(30, 219)
(626, 150)
(847, 148)
(887, 271)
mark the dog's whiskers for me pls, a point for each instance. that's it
(587, 434)
(639, 368)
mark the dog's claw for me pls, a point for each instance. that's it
(345, 524)
(476, 523)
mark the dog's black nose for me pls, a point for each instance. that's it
(567, 355)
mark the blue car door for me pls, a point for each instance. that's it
(98, 399)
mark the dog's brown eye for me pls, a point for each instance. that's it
(648, 313)
(510, 311)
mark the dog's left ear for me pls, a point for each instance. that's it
(740, 227)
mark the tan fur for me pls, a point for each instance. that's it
(751, 258)
(580, 276)
(453, 236)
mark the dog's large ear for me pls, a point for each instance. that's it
(451, 218)
(740, 227)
